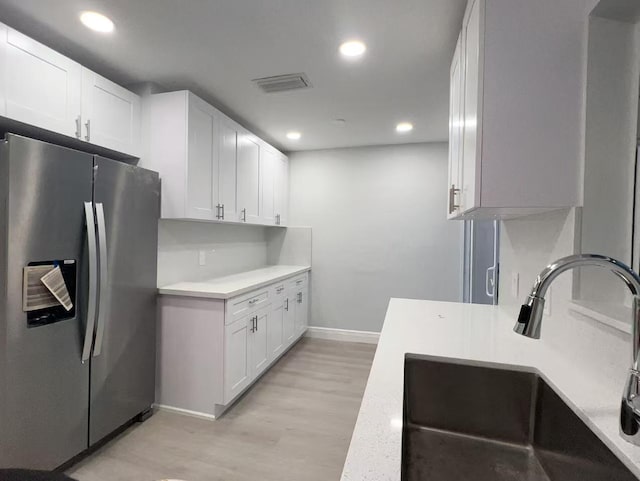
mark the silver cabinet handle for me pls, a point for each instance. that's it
(78, 126)
(299, 297)
(217, 211)
(490, 281)
(87, 124)
(299, 281)
(93, 281)
(222, 205)
(244, 215)
(103, 308)
(452, 199)
(256, 323)
(279, 290)
(253, 301)
(286, 304)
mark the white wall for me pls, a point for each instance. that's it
(527, 245)
(228, 249)
(611, 128)
(379, 230)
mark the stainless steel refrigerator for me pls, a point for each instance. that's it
(70, 378)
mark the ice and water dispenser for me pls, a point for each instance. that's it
(49, 291)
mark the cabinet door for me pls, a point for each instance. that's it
(228, 137)
(302, 311)
(268, 166)
(259, 342)
(41, 87)
(289, 324)
(202, 163)
(471, 106)
(110, 114)
(281, 186)
(237, 364)
(248, 178)
(275, 330)
(454, 184)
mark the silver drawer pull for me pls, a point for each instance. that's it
(452, 199)
(299, 281)
(279, 290)
(253, 301)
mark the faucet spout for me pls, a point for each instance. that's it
(529, 324)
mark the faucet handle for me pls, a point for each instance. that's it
(530, 318)
(523, 319)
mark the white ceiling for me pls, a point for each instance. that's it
(215, 48)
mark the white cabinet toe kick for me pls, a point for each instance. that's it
(210, 351)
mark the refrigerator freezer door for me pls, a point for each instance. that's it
(123, 362)
(44, 384)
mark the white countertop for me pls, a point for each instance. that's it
(233, 285)
(476, 333)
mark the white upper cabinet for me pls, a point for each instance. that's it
(248, 183)
(211, 168)
(110, 114)
(202, 160)
(268, 168)
(471, 40)
(41, 87)
(281, 194)
(228, 142)
(455, 134)
(514, 128)
(184, 138)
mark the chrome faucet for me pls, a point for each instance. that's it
(530, 321)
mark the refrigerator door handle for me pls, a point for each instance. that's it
(93, 281)
(104, 279)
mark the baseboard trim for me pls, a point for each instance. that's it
(345, 335)
(185, 412)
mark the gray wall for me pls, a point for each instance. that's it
(379, 230)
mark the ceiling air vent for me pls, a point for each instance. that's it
(282, 83)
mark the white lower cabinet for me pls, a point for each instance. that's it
(234, 341)
(302, 311)
(289, 325)
(275, 323)
(258, 342)
(237, 364)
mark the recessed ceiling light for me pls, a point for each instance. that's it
(404, 127)
(97, 22)
(294, 135)
(353, 48)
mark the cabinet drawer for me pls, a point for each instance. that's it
(240, 306)
(299, 281)
(278, 290)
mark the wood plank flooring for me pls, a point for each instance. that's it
(294, 424)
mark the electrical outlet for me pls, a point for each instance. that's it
(202, 258)
(515, 284)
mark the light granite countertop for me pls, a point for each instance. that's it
(475, 333)
(233, 285)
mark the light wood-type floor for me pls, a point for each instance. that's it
(294, 424)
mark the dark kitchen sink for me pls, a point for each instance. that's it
(468, 422)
